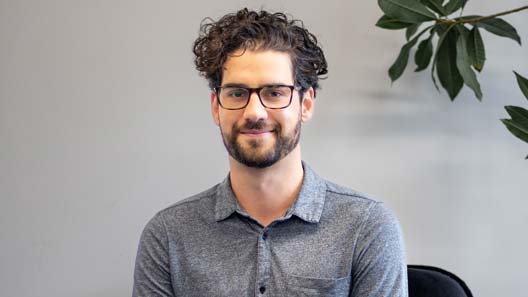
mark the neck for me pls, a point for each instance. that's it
(267, 193)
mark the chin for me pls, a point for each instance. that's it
(258, 159)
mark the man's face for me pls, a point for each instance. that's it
(256, 136)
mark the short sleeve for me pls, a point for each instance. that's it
(379, 263)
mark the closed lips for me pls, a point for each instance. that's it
(255, 132)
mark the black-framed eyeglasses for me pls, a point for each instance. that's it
(272, 97)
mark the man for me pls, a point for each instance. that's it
(272, 227)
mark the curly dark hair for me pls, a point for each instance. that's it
(261, 30)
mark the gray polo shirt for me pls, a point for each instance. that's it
(333, 241)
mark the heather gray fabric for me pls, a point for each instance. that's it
(333, 241)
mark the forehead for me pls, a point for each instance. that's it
(257, 68)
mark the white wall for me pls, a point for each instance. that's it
(104, 121)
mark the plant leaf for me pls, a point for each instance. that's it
(518, 124)
(435, 5)
(408, 11)
(398, 67)
(387, 22)
(518, 115)
(523, 84)
(447, 70)
(423, 54)
(476, 50)
(442, 31)
(454, 5)
(515, 129)
(499, 27)
(411, 30)
(463, 64)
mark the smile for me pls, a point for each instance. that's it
(255, 133)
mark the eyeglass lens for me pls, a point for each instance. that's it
(272, 96)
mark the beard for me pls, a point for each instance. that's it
(255, 155)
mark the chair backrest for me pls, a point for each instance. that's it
(428, 281)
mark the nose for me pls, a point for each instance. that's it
(255, 111)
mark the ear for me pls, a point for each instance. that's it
(215, 108)
(307, 105)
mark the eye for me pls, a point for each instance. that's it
(236, 93)
(276, 92)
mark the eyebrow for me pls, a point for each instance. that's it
(240, 85)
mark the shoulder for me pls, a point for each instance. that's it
(347, 197)
(192, 203)
(372, 218)
(349, 202)
(335, 190)
(197, 207)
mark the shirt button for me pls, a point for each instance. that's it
(262, 290)
(265, 235)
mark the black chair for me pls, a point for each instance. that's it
(428, 281)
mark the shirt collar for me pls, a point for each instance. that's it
(308, 206)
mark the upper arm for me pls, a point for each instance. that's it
(152, 269)
(379, 264)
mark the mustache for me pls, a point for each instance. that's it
(256, 125)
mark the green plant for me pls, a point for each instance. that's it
(518, 124)
(459, 52)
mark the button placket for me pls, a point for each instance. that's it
(263, 263)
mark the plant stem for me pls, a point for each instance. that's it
(474, 20)
(478, 19)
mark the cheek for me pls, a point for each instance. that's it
(227, 120)
(289, 119)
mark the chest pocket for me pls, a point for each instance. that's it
(321, 287)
